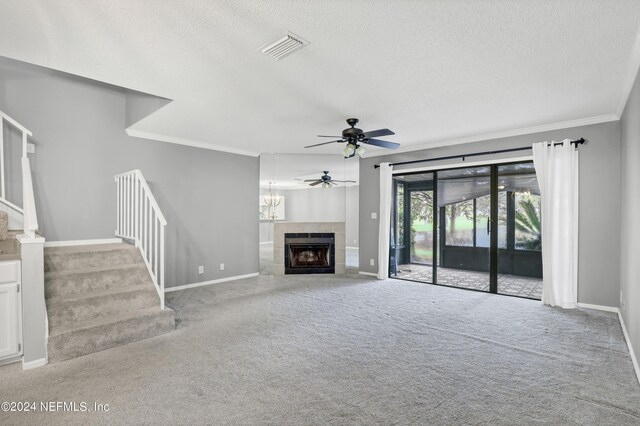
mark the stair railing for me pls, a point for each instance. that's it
(28, 209)
(139, 219)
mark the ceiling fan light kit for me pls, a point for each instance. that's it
(354, 137)
(349, 150)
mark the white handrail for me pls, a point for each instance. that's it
(14, 123)
(28, 209)
(138, 218)
(12, 206)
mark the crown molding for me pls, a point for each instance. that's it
(504, 134)
(189, 142)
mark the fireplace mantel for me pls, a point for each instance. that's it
(281, 228)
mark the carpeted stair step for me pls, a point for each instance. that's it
(100, 296)
(90, 306)
(75, 282)
(90, 256)
(93, 336)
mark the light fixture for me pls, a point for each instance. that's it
(272, 199)
(521, 192)
(349, 150)
(352, 149)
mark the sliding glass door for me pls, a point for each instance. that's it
(475, 227)
(520, 256)
(413, 233)
(464, 204)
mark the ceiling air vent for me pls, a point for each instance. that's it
(284, 46)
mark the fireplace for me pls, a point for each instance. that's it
(309, 253)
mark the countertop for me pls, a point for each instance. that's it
(9, 249)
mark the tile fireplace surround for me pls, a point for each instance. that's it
(281, 228)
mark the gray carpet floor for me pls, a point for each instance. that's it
(348, 350)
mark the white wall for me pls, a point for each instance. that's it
(337, 204)
(630, 218)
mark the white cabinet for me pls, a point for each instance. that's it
(10, 310)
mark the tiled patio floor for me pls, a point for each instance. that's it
(507, 284)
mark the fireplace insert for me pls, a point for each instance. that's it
(309, 253)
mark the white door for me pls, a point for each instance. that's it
(9, 320)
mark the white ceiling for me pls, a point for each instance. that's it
(288, 171)
(435, 72)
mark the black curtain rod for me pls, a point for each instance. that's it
(476, 154)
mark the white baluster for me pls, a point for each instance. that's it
(161, 272)
(146, 226)
(24, 144)
(155, 243)
(126, 205)
(139, 218)
(150, 257)
(117, 206)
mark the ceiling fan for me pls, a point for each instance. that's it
(354, 137)
(326, 181)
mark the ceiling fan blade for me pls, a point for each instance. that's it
(344, 181)
(325, 136)
(323, 143)
(384, 144)
(379, 132)
(311, 180)
(318, 182)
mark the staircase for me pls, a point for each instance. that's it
(98, 297)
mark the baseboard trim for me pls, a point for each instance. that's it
(34, 364)
(11, 360)
(352, 247)
(82, 242)
(634, 360)
(267, 242)
(613, 309)
(369, 274)
(627, 340)
(203, 283)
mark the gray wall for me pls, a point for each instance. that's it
(599, 228)
(630, 214)
(208, 197)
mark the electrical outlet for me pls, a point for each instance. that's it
(201, 269)
(372, 262)
(374, 215)
(222, 266)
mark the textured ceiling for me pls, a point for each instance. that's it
(288, 171)
(432, 71)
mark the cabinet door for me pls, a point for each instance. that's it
(9, 321)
